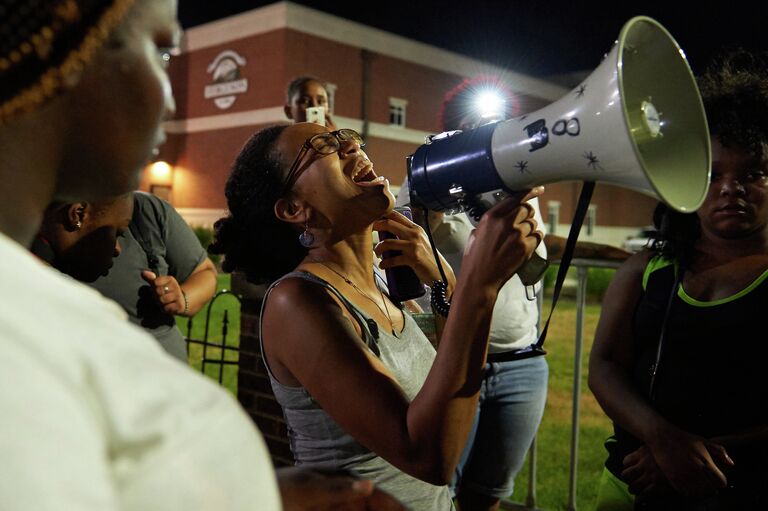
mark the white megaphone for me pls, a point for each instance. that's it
(637, 122)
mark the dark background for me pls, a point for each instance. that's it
(537, 37)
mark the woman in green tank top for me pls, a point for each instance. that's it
(676, 362)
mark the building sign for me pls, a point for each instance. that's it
(227, 82)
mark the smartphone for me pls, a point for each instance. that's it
(316, 114)
(402, 281)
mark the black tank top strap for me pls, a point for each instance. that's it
(367, 326)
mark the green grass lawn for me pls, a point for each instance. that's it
(553, 449)
(554, 434)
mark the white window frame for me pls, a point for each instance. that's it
(591, 219)
(330, 89)
(397, 110)
(553, 216)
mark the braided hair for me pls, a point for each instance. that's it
(251, 238)
(41, 46)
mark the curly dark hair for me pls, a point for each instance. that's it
(734, 89)
(676, 233)
(457, 102)
(251, 238)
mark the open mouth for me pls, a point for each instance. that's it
(364, 175)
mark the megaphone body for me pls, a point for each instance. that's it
(636, 122)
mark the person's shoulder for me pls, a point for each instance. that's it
(293, 292)
(147, 199)
(148, 204)
(636, 264)
(45, 307)
(158, 214)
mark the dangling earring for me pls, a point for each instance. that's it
(306, 238)
(78, 225)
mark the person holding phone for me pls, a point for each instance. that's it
(307, 101)
(360, 385)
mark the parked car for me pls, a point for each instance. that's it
(640, 240)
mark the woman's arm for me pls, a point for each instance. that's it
(583, 249)
(188, 297)
(685, 459)
(307, 334)
(610, 361)
(199, 287)
(305, 489)
(191, 279)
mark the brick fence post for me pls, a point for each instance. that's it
(253, 389)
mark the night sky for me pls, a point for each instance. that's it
(537, 37)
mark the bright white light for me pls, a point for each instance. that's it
(161, 173)
(490, 103)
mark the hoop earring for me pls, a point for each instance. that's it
(306, 238)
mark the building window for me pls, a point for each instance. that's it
(553, 216)
(591, 219)
(330, 88)
(397, 112)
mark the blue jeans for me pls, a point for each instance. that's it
(512, 398)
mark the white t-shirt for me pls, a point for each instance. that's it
(95, 416)
(515, 317)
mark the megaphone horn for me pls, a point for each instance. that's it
(636, 122)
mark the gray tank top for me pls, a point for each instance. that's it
(317, 441)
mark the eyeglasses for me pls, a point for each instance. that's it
(323, 143)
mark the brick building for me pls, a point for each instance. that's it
(230, 80)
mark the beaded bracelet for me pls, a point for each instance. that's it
(439, 299)
(186, 302)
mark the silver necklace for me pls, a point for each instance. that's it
(384, 311)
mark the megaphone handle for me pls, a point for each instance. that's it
(532, 270)
(570, 245)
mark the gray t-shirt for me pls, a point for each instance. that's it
(161, 241)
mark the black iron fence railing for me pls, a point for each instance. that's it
(216, 354)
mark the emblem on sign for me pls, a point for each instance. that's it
(227, 79)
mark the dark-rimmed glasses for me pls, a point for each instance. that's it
(324, 143)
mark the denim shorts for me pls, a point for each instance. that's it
(512, 398)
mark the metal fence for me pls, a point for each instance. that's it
(582, 266)
(216, 355)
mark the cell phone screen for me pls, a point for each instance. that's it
(316, 114)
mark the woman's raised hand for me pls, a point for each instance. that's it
(414, 246)
(504, 239)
